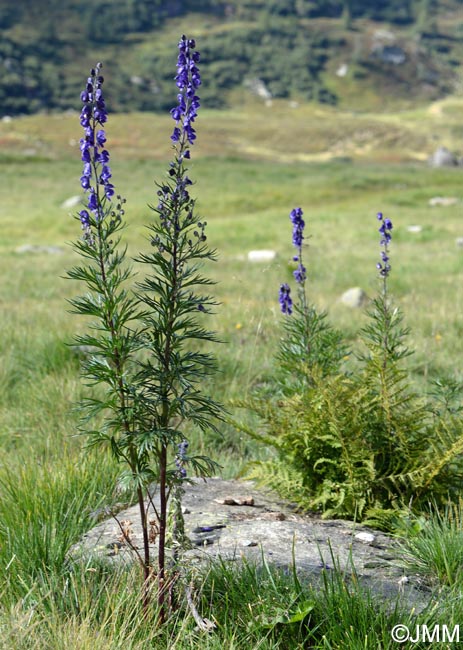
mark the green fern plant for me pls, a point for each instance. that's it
(319, 458)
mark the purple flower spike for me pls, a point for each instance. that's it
(298, 226)
(96, 171)
(384, 230)
(187, 79)
(300, 274)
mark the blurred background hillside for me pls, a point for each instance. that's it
(356, 54)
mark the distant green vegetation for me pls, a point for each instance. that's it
(291, 47)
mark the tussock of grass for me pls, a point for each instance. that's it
(434, 550)
(44, 508)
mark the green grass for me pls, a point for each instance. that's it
(251, 167)
(435, 550)
(251, 607)
(44, 508)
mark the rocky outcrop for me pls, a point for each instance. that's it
(234, 520)
(442, 157)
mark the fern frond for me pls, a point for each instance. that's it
(285, 480)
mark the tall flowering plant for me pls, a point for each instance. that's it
(112, 333)
(147, 343)
(384, 335)
(173, 306)
(309, 344)
(105, 274)
(383, 375)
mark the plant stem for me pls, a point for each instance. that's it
(118, 364)
(162, 532)
(146, 552)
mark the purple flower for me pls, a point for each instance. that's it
(101, 137)
(300, 274)
(93, 201)
(176, 134)
(84, 218)
(102, 156)
(187, 79)
(85, 181)
(385, 228)
(105, 174)
(286, 302)
(86, 225)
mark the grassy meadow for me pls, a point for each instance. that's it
(251, 166)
